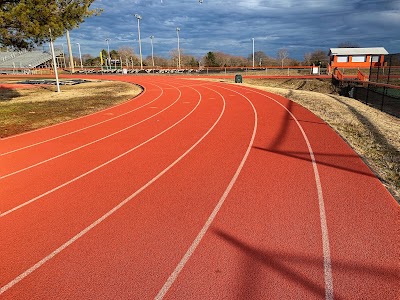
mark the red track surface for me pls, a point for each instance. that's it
(194, 190)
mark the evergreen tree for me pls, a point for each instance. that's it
(26, 23)
(210, 60)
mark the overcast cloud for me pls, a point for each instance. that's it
(229, 26)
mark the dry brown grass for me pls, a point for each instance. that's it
(27, 109)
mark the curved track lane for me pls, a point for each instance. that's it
(194, 190)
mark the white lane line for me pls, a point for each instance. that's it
(99, 112)
(3, 214)
(93, 142)
(329, 293)
(174, 275)
(84, 128)
(112, 211)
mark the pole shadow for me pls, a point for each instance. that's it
(279, 262)
(306, 157)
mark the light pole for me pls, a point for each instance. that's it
(179, 49)
(54, 61)
(108, 53)
(80, 54)
(139, 17)
(71, 58)
(253, 53)
(152, 50)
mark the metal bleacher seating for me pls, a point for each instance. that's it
(26, 59)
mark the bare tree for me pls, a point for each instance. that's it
(317, 57)
(307, 59)
(260, 58)
(128, 56)
(126, 52)
(174, 57)
(282, 54)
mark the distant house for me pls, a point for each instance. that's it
(356, 57)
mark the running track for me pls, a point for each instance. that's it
(194, 190)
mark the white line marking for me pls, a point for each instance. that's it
(329, 293)
(98, 167)
(174, 275)
(93, 142)
(92, 170)
(81, 129)
(109, 213)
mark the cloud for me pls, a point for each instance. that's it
(229, 26)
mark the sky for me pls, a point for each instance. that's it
(230, 26)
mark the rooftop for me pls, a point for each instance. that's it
(358, 51)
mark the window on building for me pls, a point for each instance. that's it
(358, 58)
(342, 58)
(375, 58)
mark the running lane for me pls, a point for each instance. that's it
(238, 194)
(272, 238)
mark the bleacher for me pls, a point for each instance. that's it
(26, 59)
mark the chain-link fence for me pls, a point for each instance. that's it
(383, 88)
(389, 73)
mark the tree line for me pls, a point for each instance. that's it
(126, 56)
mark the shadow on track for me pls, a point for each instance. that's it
(254, 259)
(322, 158)
(306, 157)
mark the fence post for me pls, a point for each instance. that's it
(383, 97)
(377, 75)
(390, 67)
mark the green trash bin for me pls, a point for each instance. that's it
(238, 78)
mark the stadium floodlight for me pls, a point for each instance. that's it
(80, 54)
(152, 49)
(179, 50)
(108, 49)
(139, 17)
